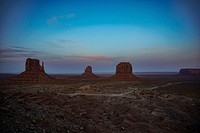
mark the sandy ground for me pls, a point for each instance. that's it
(161, 105)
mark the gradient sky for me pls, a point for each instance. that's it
(68, 35)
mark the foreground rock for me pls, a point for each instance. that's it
(49, 108)
(189, 72)
(124, 72)
(88, 73)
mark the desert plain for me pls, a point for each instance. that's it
(151, 104)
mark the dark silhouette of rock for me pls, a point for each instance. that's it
(88, 73)
(124, 72)
(33, 65)
(34, 73)
(189, 72)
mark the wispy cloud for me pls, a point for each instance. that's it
(11, 50)
(18, 47)
(63, 43)
(18, 52)
(70, 15)
(55, 19)
(52, 20)
(156, 52)
(67, 41)
(92, 57)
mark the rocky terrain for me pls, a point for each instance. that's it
(152, 106)
(34, 102)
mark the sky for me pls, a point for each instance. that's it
(68, 35)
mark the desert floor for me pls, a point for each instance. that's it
(155, 104)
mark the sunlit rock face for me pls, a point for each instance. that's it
(124, 72)
(88, 73)
(33, 65)
(189, 72)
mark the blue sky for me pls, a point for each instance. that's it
(156, 35)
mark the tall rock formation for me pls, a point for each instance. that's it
(34, 73)
(33, 65)
(189, 72)
(124, 72)
(88, 73)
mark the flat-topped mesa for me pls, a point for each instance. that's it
(88, 73)
(124, 68)
(189, 72)
(124, 72)
(33, 65)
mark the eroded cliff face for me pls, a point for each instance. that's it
(34, 73)
(124, 72)
(88, 73)
(124, 68)
(33, 65)
(189, 72)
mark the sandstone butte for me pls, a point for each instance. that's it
(34, 73)
(124, 72)
(88, 73)
(189, 72)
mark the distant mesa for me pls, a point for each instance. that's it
(189, 72)
(34, 73)
(88, 73)
(124, 72)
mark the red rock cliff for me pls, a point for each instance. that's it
(124, 72)
(34, 73)
(33, 65)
